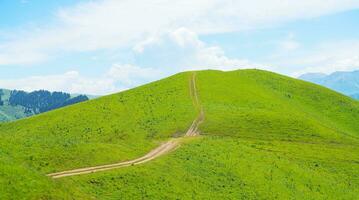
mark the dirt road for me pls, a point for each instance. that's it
(159, 151)
(193, 130)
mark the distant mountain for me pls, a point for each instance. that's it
(344, 82)
(313, 76)
(17, 104)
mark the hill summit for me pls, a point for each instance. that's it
(258, 135)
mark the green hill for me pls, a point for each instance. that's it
(265, 136)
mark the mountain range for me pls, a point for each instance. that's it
(17, 104)
(344, 82)
(245, 134)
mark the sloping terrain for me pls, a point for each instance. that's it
(106, 130)
(264, 136)
(17, 104)
(159, 151)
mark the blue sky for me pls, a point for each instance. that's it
(101, 47)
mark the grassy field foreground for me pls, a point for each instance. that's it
(265, 136)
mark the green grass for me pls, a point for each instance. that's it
(235, 168)
(105, 130)
(265, 136)
(18, 181)
(261, 104)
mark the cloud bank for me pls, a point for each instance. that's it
(109, 24)
(163, 37)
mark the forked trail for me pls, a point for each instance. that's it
(159, 151)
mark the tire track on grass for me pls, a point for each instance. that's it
(153, 154)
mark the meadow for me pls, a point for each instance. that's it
(265, 136)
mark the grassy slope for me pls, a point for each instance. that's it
(234, 168)
(265, 136)
(104, 130)
(261, 104)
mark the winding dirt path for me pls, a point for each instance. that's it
(193, 129)
(157, 152)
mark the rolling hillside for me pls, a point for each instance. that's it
(263, 136)
(16, 104)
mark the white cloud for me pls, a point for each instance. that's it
(326, 58)
(289, 43)
(131, 75)
(109, 24)
(154, 30)
(182, 50)
(117, 78)
(170, 53)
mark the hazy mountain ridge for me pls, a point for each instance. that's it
(17, 104)
(344, 82)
